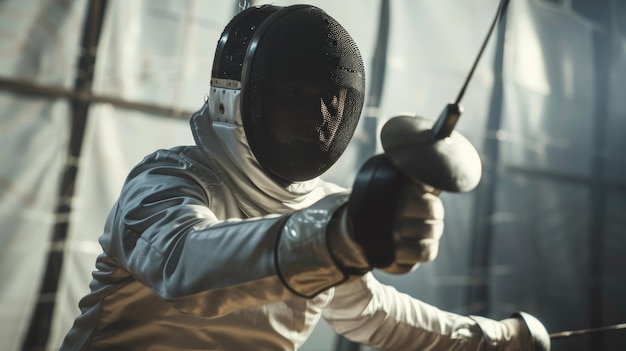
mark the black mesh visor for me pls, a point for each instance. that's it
(233, 43)
(302, 94)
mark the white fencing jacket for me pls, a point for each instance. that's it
(204, 251)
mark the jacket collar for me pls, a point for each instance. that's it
(225, 148)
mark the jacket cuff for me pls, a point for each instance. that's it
(303, 259)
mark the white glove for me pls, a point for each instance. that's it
(418, 226)
(522, 332)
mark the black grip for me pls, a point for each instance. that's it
(372, 208)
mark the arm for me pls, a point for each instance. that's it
(380, 316)
(374, 314)
(165, 235)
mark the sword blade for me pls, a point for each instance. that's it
(570, 333)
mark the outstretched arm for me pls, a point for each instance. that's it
(164, 233)
(375, 314)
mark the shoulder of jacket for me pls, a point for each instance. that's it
(179, 161)
(179, 156)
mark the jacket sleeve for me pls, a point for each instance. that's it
(371, 313)
(164, 233)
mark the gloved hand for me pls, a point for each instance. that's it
(392, 223)
(521, 332)
(417, 228)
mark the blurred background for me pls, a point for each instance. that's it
(87, 88)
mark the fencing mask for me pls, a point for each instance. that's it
(302, 86)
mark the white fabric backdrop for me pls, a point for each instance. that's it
(161, 52)
(38, 43)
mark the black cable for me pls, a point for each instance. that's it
(501, 9)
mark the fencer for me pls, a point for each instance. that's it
(236, 243)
